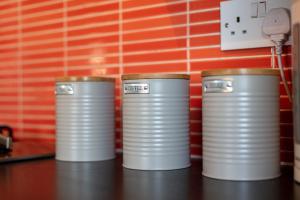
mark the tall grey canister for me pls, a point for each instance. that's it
(241, 124)
(85, 118)
(156, 121)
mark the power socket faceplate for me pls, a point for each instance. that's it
(241, 22)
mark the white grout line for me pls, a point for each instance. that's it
(204, 10)
(196, 157)
(205, 35)
(38, 80)
(37, 107)
(8, 37)
(120, 33)
(10, 10)
(152, 40)
(188, 41)
(41, 42)
(154, 17)
(41, 23)
(153, 51)
(93, 4)
(39, 116)
(8, 28)
(38, 4)
(153, 5)
(8, 117)
(230, 58)
(121, 64)
(91, 15)
(42, 13)
(82, 67)
(26, 135)
(43, 32)
(20, 67)
(92, 35)
(93, 25)
(39, 126)
(205, 22)
(65, 37)
(4, 3)
(195, 84)
(157, 28)
(195, 121)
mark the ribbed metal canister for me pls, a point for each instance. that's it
(241, 124)
(156, 121)
(85, 119)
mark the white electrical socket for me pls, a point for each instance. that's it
(241, 23)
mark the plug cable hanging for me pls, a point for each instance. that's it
(278, 46)
(277, 26)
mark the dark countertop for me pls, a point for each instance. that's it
(50, 179)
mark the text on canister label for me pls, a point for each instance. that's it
(218, 86)
(136, 88)
(64, 89)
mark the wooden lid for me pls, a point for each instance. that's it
(241, 71)
(155, 76)
(84, 79)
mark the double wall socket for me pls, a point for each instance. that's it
(241, 23)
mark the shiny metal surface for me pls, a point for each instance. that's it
(241, 129)
(108, 180)
(85, 122)
(156, 125)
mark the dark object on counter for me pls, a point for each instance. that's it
(22, 150)
(28, 150)
(6, 135)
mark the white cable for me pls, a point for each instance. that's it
(280, 66)
(273, 58)
(277, 26)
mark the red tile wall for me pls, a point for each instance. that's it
(43, 39)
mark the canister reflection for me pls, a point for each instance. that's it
(155, 185)
(214, 189)
(85, 180)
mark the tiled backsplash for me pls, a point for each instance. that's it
(42, 39)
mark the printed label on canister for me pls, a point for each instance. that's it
(136, 88)
(64, 89)
(218, 86)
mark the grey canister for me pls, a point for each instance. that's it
(156, 121)
(85, 118)
(241, 124)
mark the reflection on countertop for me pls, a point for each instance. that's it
(50, 179)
